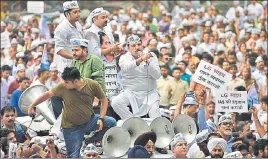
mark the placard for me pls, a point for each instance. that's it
(35, 7)
(211, 76)
(231, 101)
(5, 41)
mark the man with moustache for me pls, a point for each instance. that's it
(217, 147)
(68, 29)
(140, 72)
(98, 22)
(179, 146)
(8, 115)
(162, 86)
(89, 66)
(225, 129)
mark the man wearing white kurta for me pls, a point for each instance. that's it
(68, 29)
(140, 72)
(98, 23)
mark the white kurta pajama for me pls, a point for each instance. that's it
(137, 84)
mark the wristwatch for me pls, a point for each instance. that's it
(101, 119)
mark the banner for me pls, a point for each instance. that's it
(211, 76)
(44, 32)
(253, 94)
(36, 7)
(45, 62)
(231, 101)
(5, 41)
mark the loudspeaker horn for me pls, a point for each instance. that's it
(161, 126)
(31, 94)
(135, 126)
(116, 142)
(186, 125)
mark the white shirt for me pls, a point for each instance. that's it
(36, 82)
(256, 9)
(64, 32)
(91, 34)
(135, 78)
(9, 80)
(258, 76)
(4, 88)
(232, 10)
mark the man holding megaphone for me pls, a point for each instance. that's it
(140, 71)
(78, 115)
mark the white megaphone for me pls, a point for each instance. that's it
(161, 126)
(116, 142)
(135, 126)
(31, 94)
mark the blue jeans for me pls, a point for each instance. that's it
(74, 136)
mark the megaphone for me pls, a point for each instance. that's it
(116, 142)
(31, 94)
(135, 126)
(186, 125)
(161, 126)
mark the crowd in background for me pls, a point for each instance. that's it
(180, 36)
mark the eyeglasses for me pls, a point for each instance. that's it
(92, 155)
(227, 123)
(181, 144)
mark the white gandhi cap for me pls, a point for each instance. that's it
(70, 5)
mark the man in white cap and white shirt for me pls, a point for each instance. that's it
(69, 28)
(235, 8)
(216, 147)
(259, 72)
(54, 78)
(98, 22)
(179, 146)
(140, 72)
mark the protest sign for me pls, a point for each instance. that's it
(35, 7)
(5, 41)
(236, 154)
(232, 101)
(211, 76)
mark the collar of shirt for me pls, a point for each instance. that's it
(67, 21)
(96, 28)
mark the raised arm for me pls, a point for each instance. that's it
(39, 100)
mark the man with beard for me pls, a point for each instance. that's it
(140, 72)
(67, 29)
(147, 140)
(217, 147)
(179, 146)
(78, 115)
(235, 81)
(225, 129)
(261, 148)
(89, 66)
(176, 87)
(98, 22)
(162, 86)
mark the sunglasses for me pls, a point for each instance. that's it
(92, 155)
